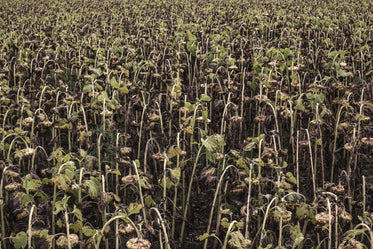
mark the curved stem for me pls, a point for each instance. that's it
(213, 203)
(108, 223)
(188, 195)
(140, 131)
(67, 229)
(33, 156)
(2, 207)
(228, 233)
(312, 167)
(265, 219)
(165, 185)
(30, 226)
(12, 143)
(248, 203)
(335, 138)
(140, 192)
(163, 227)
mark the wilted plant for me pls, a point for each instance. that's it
(186, 88)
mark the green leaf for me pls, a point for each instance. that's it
(61, 205)
(188, 130)
(319, 141)
(304, 211)
(42, 195)
(93, 186)
(82, 153)
(60, 224)
(203, 236)
(114, 83)
(299, 105)
(144, 182)
(355, 232)
(296, 235)
(192, 121)
(213, 142)
(31, 185)
(103, 96)
(224, 222)
(89, 161)
(175, 174)
(69, 167)
(62, 123)
(205, 115)
(112, 103)
(115, 172)
(257, 139)
(290, 178)
(77, 226)
(169, 183)
(343, 73)
(56, 154)
(18, 154)
(211, 156)
(89, 232)
(192, 47)
(123, 89)
(25, 198)
(44, 234)
(134, 208)
(205, 98)
(192, 37)
(239, 225)
(237, 240)
(20, 241)
(241, 163)
(62, 182)
(249, 146)
(319, 98)
(259, 162)
(175, 90)
(189, 106)
(149, 202)
(87, 88)
(77, 213)
(173, 151)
